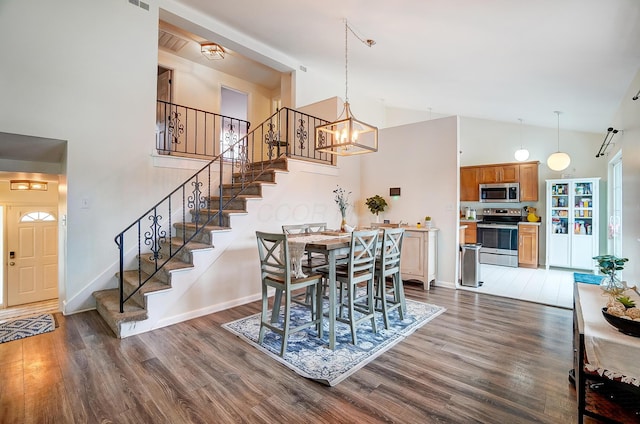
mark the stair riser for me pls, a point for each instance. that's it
(280, 164)
(238, 203)
(184, 255)
(137, 298)
(149, 268)
(268, 177)
(226, 220)
(203, 237)
(106, 317)
(251, 190)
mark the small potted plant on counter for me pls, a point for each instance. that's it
(376, 204)
(427, 221)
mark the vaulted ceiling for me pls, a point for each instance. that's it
(493, 59)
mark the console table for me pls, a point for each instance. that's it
(606, 372)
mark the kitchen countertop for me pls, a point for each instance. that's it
(414, 228)
(529, 223)
(469, 220)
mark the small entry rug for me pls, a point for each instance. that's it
(26, 327)
(311, 357)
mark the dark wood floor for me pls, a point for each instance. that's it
(487, 359)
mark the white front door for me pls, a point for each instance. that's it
(32, 254)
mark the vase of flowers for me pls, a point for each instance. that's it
(342, 200)
(609, 265)
(376, 204)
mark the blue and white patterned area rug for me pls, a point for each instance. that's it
(311, 357)
(26, 327)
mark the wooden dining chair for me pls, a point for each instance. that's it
(295, 229)
(357, 272)
(275, 270)
(316, 227)
(390, 297)
(313, 261)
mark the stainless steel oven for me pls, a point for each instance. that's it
(498, 235)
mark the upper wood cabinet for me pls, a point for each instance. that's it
(529, 182)
(499, 174)
(524, 173)
(469, 180)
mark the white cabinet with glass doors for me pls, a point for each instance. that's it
(572, 222)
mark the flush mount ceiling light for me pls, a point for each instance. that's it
(28, 185)
(212, 51)
(347, 136)
(558, 161)
(522, 154)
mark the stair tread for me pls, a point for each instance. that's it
(110, 301)
(239, 196)
(172, 265)
(227, 211)
(249, 184)
(191, 246)
(192, 226)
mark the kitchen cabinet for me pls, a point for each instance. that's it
(572, 222)
(499, 174)
(524, 173)
(471, 232)
(528, 245)
(529, 182)
(469, 181)
(419, 258)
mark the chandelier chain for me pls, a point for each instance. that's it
(346, 62)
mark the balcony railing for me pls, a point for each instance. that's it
(185, 131)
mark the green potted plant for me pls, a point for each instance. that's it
(609, 265)
(376, 204)
(427, 221)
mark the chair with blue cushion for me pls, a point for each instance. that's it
(275, 270)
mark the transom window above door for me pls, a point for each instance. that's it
(37, 217)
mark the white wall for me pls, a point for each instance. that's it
(485, 142)
(94, 86)
(303, 195)
(627, 119)
(421, 159)
(199, 86)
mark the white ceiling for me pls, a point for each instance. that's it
(492, 59)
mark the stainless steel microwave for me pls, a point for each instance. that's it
(500, 193)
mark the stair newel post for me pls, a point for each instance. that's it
(220, 193)
(287, 131)
(119, 241)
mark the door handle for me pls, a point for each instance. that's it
(12, 263)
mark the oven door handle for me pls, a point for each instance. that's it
(499, 226)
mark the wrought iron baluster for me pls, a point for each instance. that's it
(301, 133)
(155, 236)
(176, 127)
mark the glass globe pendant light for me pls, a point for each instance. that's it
(558, 161)
(521, 154)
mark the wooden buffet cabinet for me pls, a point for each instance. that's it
(528, 244)
(419, 260)
(525, 173)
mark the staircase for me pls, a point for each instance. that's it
(154, 281)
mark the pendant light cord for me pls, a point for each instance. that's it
(558, 116)
(346, 62)
(368, 42)
(520, 119)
